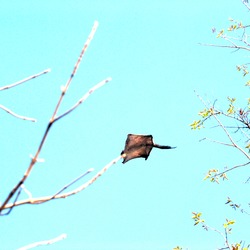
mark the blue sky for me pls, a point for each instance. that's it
(151, 50)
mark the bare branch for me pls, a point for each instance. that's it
(100, 84)
(72, 182)
(16, 115)
(92, 180)
(232, 168)
(219, 142)
(222, 235)
(16, 198)
(58, 195)
(32, 200)
(64, 90)
(24, 80)
(34, 160)
(26, 191)
(245, 3)
(225, 46)
(45, 242)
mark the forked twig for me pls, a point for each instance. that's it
(34, 160)
(59, 194)
(24, 80)
(18, 83)
(237, 47)
(16, 115)
(224, 129)
(225, 238)
(44, 242)
(72, 182)
(230, 138)
(229, 169)
(98, 85)
(92, 180)
(16, 198)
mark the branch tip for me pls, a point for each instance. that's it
(47, 70)
(16, 115)
(44, 242)
(24, 80)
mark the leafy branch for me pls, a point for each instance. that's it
(240, 117)
(227, 225)
(236, 206)
(240, 39)
(234, 37)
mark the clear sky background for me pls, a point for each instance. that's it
(151, 50)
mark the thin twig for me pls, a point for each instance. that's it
(241, 119)
(230, 169)
(224, 129)
(26, 191)
(226, 236)
(245, 3)
(24, 80)
(225, 46)
(16, 115)
(245, 134)
(92, 180)
(34, 160)
(219, 142)
(65, 88)
(72, 182)
(58, 195)
(219, 232)
(229, 40)
(44, 242)
(230, 138)
(16, 198)
(100, 84)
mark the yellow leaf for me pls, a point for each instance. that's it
(231, 222)
(220, 33)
